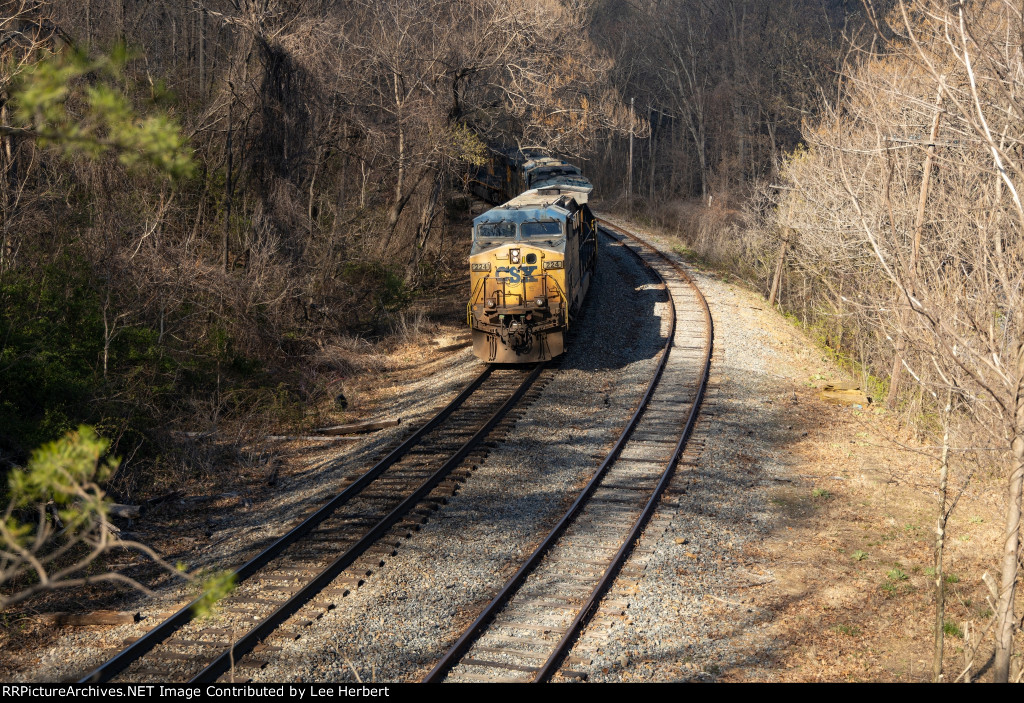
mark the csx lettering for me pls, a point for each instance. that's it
(517, 274)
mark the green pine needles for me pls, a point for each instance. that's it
(80, 105)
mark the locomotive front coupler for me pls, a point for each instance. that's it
(540, 319)
(516, 333)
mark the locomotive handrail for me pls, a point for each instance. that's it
(562, 296)
(472, 296)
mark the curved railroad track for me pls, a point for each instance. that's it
(528, 628)
(302, 574)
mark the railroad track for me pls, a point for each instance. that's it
(526, 631)
(304, 574)
(321, 560)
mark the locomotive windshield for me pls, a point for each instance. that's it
(496, 230)
(545, 174)
(546, 228)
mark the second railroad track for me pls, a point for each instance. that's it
(526, 631)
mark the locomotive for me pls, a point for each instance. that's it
(532, 260)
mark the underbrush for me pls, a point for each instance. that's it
(734, 235)
(194, 397)
(718, 235)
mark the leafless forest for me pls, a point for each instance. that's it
(859, 162)
(329, 143)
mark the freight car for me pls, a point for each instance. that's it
(531, 264)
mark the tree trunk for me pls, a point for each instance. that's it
(774, 147)
(673, 140)
(1011, 541)
(202, 51)
(119, 22)
(739, 119)
(362, 187)
(396, 207)
(940, 542)
(425, 226)
(312, 192)
(652, 154)
(6, 165)
(897, 362)
(629, 167)
(700, 143)
(781, 264)
(108, 332)
(228, 189)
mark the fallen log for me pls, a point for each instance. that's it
(308, 438)
(195, 435)
(357, 427)
(459, 345)
(97, 617)
(127, 512)
(153, 502)
(845, 394)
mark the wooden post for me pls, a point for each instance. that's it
(781, 263)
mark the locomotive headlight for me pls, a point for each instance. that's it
(491, 303)
(540, 301)
(554, 264)
(513, 256)
(486, 266)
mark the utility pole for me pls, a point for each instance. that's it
(229, 186)
(629, 170)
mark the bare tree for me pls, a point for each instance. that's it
(949, 251)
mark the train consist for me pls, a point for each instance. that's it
(532, 259)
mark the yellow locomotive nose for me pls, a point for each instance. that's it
(518, 308)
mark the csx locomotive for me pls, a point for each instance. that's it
(532, 260)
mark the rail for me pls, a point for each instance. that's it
(480, 625)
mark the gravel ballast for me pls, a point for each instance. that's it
(397, 625)
(682, 608)
(685, 616)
